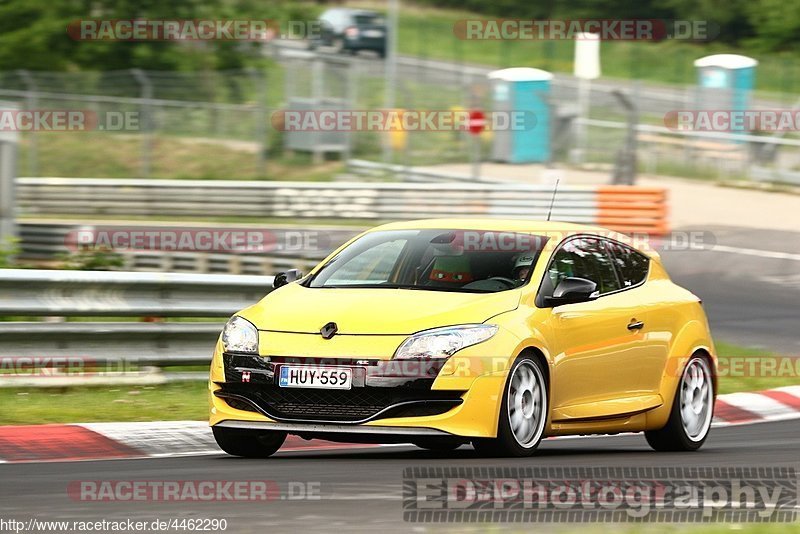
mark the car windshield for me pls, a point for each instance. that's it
(436, 260)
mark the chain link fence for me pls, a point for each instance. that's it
(222, 125)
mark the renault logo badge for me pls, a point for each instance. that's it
(329, 330)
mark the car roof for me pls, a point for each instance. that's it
(555, 228)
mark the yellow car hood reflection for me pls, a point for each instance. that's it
(374, 311)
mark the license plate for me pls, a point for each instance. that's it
(373, 33)
(305, 376)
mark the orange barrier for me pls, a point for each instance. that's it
(633, 209)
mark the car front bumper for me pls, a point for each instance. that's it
(387, 402)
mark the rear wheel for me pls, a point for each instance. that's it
(523, 413)
(248, 443)
(692, 410)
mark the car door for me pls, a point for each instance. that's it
(633, 268)
(597, 361)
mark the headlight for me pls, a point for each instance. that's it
(443, 342)
(239, 335)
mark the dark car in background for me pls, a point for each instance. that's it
(351, 30)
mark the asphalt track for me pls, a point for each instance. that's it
(359, 490)
(749, 281)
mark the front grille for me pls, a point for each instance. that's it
(357, 404)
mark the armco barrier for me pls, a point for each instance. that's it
(117, 344)
(623, 208)
(30, 292)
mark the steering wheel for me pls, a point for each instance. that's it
(508, 281)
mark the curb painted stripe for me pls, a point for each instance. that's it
(728, 413)
(59, 442)
(763, 406)
(784, 398)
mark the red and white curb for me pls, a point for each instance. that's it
(94, 441)
(772, 405)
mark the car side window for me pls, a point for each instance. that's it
(632, 266)
(585, 258)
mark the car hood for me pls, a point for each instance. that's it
(295, 308)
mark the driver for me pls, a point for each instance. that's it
(522, 267)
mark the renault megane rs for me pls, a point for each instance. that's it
(444, 332)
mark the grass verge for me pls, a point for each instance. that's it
(167, 402)
(104, 155)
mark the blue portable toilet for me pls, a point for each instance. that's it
(523, 93)
(726, 81)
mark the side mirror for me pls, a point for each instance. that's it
(281, 279)
(573, 290)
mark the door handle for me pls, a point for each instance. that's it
(637, 325)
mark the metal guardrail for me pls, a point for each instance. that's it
(638, 209)
(125, 294)
(117, 346)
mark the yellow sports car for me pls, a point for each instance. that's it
(447, 331)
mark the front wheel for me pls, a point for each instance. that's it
(692, 410)
(523, 413)
(248, 443)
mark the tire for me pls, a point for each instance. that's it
(439, 444)
(692, 410)
(527, 394)
(338, 44)
(248, 443)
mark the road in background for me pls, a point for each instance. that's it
(749, 282)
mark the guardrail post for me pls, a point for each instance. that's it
(9, 141)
